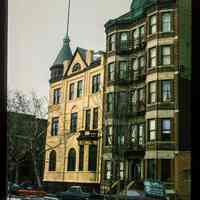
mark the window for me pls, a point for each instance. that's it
(76, 67)
(81, 157)
(52, 161)
(124, 40)
(123, 70)
(141, 134)
(95, 118)
(151, 167)
(166, 55)
(152, 129)
(74, 121)
(166, 170)
(141, 30)
(166, 22)
(152, 92)
(55, 126)
(87, 119)
(166, 90)
(108, 135)
(80, 88)
(111, 72)
(152, 57)
(112, 43)
(120, 136)
(109, 102)
(71, 160)
(92, 162)
(108, 169)
(122, 102)
(141, 96)
(96, 83)
(56, 96)
(166, 129)
(133, 100)
(135, 64)
(71, 91)
(134, 133)
(141, 62)
(153, 24)
(121, 170)
(136, 38)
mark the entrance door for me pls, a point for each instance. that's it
(135, 169)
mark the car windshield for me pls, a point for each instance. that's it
(74, 189)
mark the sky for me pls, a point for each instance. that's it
(36, 29)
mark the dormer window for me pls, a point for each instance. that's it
(76, 67)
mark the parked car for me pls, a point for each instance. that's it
(28, 189)
(75, 193)
(136, 195)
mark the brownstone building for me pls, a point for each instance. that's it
(147, 77)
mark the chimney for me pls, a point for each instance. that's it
(89, 56)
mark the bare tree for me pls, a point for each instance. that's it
(25, 114)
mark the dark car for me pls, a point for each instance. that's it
(73, 193)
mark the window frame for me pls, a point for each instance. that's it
(92, 157)
(95, 117)
(73, 128)
(152, 25)
(56, 96)
(108, 169)
(52, 161)
(168, 22)
(71, 91)
(166, 56)
(87, 119)
(152, 131)
(109, 135)
(111, 73)
(124, 43)
(151, 93)
(96, 83)
(110, 102)
(122, 170)
(152, 57)
(166, 133)
(163, 96)
(71, 160)
(123, 72)
(80, 88)
(55, 126)
(81, 157)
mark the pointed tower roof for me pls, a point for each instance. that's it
(65, 53)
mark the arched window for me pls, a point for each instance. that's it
(52, 161)
(71, 160)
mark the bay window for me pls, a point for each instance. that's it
(152, 92)
(166, 22)
(111, 72)
(166, 55)
(166, 90)
(152, 57)
(166, 129)
(153, 24)
(152, 129)
(123, 70)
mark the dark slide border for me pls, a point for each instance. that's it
(3, 92)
